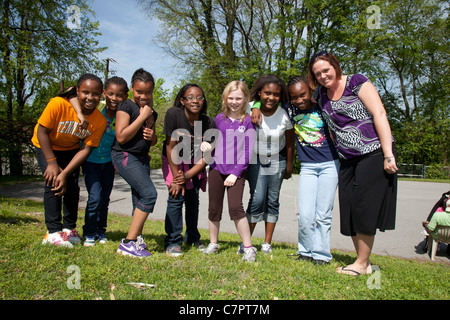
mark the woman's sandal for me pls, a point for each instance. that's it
(351, 272)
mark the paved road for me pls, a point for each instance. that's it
(414, 202)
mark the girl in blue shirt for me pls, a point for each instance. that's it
(98, 170)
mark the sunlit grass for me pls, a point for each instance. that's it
(31, 271)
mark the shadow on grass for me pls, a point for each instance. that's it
(343, 258)
(18, 220)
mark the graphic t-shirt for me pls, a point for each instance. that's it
(313, 140)
(178, 127)
(65, 133)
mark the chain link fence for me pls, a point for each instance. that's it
(423, 171)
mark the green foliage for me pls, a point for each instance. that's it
(406, 55)
(161, 103)
(39, 48)
(423, 141)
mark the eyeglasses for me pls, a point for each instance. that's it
(191, 98)
(318, 54)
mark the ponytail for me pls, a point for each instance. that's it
(142, 75)
(71, 92)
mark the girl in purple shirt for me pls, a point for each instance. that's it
(231, 158)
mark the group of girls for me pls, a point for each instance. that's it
(343, 119)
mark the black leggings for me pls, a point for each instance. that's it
(68, 202)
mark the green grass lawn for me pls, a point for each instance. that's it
(31, 271)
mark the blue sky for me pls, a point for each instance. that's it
(129, 34)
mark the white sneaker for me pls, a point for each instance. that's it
(89, 241)
(212, 248)
(101, 238)
(57, 238)
(266, 247)
(249, 254)
(72, 236)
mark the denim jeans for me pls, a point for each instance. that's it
(265, 183)
(99, 180)
(135, 170)
(67, 203)
(316, 192)
(174, 216)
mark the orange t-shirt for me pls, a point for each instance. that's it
(65, 133)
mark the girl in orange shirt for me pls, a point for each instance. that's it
(57, 138)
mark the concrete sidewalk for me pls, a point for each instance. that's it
(414, 202)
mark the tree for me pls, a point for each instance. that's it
(405, 53)
(222, 40)
(39, 46)
(412, 71)
(412, 57)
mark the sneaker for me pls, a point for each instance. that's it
(101, 238)
(132, 249)
(303, 258)
(249, 254)
(89, 241)
(57, 238)
(318, 262)
(212, 248)
(140, 241)
(240, 249)
(72, 236)
(199, 245)
(174, 250)
(266, 247)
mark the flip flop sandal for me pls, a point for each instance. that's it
(349, 272)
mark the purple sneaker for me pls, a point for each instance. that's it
(132, 249)
(140, 242)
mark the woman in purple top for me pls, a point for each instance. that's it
(234, 147)
(367, 177)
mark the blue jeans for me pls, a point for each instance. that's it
(265, 184)
(174, 216)
(99, 180)
(135, 170)
(316, 191)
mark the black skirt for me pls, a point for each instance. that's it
(367, 195)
